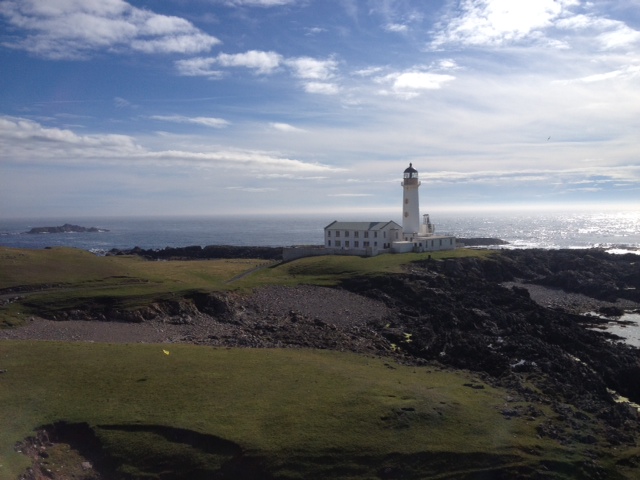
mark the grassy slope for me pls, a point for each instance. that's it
(67, 279)
(300, 409)
(295, 407)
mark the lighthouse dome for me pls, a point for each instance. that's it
(410, 172)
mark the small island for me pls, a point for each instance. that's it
(66, 228)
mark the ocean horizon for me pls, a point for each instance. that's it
(614, 231)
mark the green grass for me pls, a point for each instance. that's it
(331, 269)
(297, 409)
(63, 279)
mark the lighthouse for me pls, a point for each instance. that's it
(410, 202)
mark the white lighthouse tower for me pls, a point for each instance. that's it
(410, 202)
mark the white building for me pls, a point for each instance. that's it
(362, 238)
(371, 238)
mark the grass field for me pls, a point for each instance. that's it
(62, 279)
(286, 414)
(299, 412)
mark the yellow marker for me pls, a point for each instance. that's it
(166, 352)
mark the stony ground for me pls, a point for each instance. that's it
(271, 316)
(267, 310)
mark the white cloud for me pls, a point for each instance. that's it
(253, 189)
(122, 102)
(621, 36)
(259, 3)
(206, 121)
(24, 141)
(311, 68)
(322, 88)
(367, 72)
(496, 22)
(263, 62)
(74, 29)
(350, 195)
(314, 30)
(626, 72)
(285, 127)
(411, 83)
(198, 67)
(396, 27)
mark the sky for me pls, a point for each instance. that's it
(208, 107)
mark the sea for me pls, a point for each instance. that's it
(617, 232)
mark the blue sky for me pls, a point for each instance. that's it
(155, 107)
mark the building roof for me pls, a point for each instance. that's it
(370, 226)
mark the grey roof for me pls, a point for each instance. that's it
(371, 226)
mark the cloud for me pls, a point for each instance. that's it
(24, 141)
(316, 75)
(367, 72)
(259, 3)
(262, 62)
(312, 69)
(314, 30)
(75, 29)
(122, 102)
(206, 121)
(350, 195)
(198, 67)
(396, 27)
(411, 83)
(498, 22)
(285, 127)
(253, 189)
(627, 72)
(321, 88)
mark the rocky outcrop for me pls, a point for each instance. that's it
(458, 313)
(66, 228)
(480, 241)
(196, 252)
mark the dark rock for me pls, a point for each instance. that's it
(480, 241)
(196, 252)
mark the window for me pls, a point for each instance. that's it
(375, 244)
(346, 243)
(356, 234)
(356, 244)
(365, 244)
(328, 233)
(366, 234)
(375, 234)
(337, 233)
(346, 233)
(337, 243)
(440, 242)
(328, 243)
